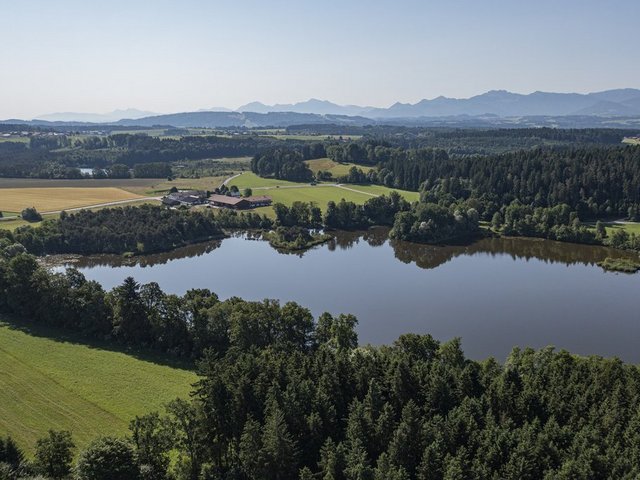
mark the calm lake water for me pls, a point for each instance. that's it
(495, 294)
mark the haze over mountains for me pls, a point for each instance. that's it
(95, 117)
(496, 107)
(620, 102)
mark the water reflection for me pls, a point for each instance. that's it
(424, 256)
(428, 256)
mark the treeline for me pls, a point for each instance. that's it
(286, 396)
(594, 181)
(55, 157)
(556, 223)
(142, 229)
(479, 141)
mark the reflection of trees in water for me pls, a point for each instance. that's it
(424, 256)
(430, 256)
(195, 250)
(375, 237)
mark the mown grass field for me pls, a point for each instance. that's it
(163, 186)
(48, 383)
(631, 227)
(382, 190)
(15, 139)
(336, 169)
(53, 199)
(288, 192)
(251, 180)
(631, 141)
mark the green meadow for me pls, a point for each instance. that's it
(52, 382)
(336, 169)
(282, 191)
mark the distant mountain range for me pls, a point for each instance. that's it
(95, 117)
(621, 102)
(497, 108)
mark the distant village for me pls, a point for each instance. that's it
(230, 199)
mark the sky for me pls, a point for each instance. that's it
(172, 56)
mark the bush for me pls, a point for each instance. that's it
(30, 214)
(107, 458)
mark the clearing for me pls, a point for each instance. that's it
(48, 382)
(54, 199)
(336, 169)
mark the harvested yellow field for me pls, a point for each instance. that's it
(54, 199)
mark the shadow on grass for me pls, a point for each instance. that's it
(64, 336)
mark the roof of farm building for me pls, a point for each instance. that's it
(225, 199)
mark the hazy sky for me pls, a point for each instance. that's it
(168, 56)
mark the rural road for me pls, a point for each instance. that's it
(231, 178)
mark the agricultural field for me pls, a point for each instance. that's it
(251, 180)
(282, 191)
(631, 140)
(48, 382)
(630, 227)
(15, 139)
(316, 138)
(336, 169)
(55, 199)
(610, 227)
(13, 223)
(129, 184)
(163, 186)
(382, 190)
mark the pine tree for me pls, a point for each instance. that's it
(332, 462)
(279, 450)
(250, 447)
(385, 470)
(357, 461)
(406, 446)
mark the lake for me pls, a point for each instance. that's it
(496, 293)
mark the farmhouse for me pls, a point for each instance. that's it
(236, 203)
(188, 198)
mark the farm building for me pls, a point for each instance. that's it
(236, 203)
(188, 198)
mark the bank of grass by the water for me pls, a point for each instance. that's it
(624, 265)
(48, 380)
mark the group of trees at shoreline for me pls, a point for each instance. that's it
(141, 229)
